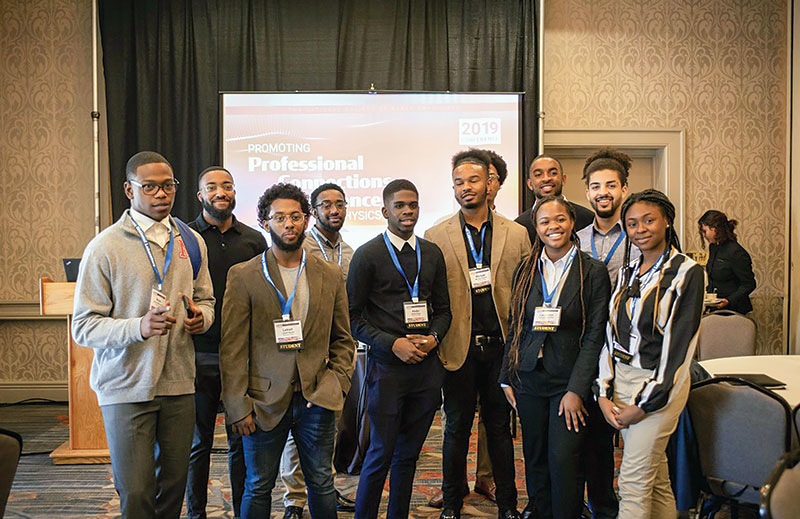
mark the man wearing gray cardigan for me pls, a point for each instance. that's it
(130, 307)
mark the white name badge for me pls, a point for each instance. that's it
(415, 314)
(157, 299)
(546, 319)
(288, 335)
(480, 279)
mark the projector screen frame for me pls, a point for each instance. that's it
(521, 173)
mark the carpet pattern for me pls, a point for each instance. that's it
(44, 490)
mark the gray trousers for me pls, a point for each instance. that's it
(149, 444)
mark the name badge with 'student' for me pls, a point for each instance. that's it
(288, 335)
(546, 319)
(415, 314)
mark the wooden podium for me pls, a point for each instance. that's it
(87, 435)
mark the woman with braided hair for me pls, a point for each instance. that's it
(559, 308)
(644, 380)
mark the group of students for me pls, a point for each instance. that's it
(583, 323)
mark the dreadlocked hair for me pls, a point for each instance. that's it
(659, 199)
(526, 273)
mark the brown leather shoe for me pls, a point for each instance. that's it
(437, 501)
(486, 489)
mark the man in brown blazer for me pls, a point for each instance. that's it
(286, 355)
(481, 250)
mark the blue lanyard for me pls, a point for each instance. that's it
(413, 291)
(548, 296)
(478, 257)
(167, 258)
(611, 252)
(648, 276)
(286, 304)
(322, 248)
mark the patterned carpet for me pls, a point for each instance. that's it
(44, 490)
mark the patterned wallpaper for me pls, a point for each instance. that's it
(45, 167)
(716, 69)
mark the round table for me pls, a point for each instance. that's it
(785, 368)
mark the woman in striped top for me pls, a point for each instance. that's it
(643, 381)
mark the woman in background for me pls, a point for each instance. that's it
(644, 380)
(559, 305)
(729, 267)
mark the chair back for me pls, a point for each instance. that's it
(726, 334)
(10, 451)
(779, 496)
(741, 429)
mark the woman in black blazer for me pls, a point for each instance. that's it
(551, 360)
(729, 267)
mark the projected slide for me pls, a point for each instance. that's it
(362, 142)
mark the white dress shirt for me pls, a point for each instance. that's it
(156, 232)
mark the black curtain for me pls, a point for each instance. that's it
(166, 61)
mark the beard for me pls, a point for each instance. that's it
(218, 214)
(330, 228)
(278, 242)
(605, 213)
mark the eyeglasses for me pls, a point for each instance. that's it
(281, 218)
(327, 204)
(152, 189)
(210, 188)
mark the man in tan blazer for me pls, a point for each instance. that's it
(286, 355)
(481, 250)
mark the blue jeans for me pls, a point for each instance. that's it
(149, 445)
(313, 432)
(206, 401)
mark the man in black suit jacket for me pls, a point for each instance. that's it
(546, 177)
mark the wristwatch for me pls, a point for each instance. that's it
(436, 337)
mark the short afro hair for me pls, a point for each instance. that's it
(325, 187)
(396, 185)
(209, 170)
(143, 158)
(608, 158)
(286, 191)
(472, 156)
(500, 165)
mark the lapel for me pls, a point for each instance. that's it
(573, 283)
(275, 274)
(499, 232)
(454, 231)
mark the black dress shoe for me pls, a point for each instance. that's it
(293, 512)
(344, 504)
(528, 512)
(449, 513)
(509, 514)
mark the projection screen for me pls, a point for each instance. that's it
(362, 141)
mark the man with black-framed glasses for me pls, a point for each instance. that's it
(324, 240)
(143, 290)
(286, 355)
(229, 242)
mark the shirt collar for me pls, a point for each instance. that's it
(203, 225)
(616, 226)
(544, 258)
(326, 241)
(488, 223)
(398, 242)
(145, 222)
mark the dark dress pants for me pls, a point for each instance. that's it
(208, 387)
(598, 463)
(401, 401)
(553, 466)
(478, 375)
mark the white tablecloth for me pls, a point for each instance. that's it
(785, 368)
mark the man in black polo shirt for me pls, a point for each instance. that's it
(546, 177)
(484, 248)
(229, 242)
(400, 307)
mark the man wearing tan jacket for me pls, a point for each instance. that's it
(481, 250)
(286, 355)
